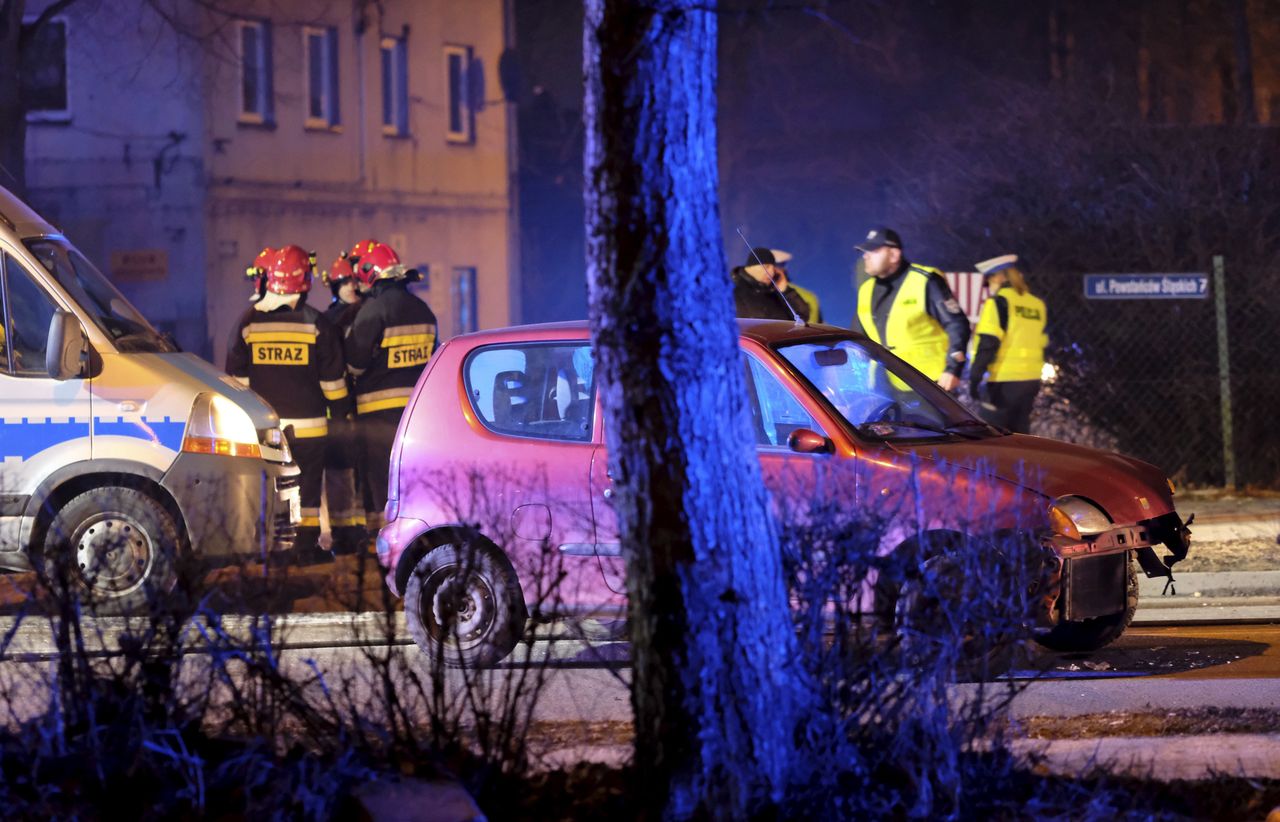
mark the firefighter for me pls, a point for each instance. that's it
(257, 272)
(341, 461)
(289, 353)
(391, 339)
(1010, 346)
(910, 310)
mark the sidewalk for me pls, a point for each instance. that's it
(1215, 596)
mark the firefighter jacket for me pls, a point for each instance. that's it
(389, 342)
(340, 315)
(292, 356)
(914, 315)
(1010, 338)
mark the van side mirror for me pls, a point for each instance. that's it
(64, 351)
(805, 441)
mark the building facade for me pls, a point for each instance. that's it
(178, 147)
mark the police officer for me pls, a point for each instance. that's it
(391, 339)
(754, 294)
(1010, 346)
(910, 310)
(341, 457)
(288, 352)
(781, 266)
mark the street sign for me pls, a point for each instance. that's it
(1146, 286)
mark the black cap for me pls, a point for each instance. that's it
(760, 256)
(879, 237)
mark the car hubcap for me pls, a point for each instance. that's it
(113, 555)
(462, 610)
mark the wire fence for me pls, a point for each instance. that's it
(1142, 376)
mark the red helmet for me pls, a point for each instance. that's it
(378, 261)
(260, 263)
(290, 271)
(341, 271)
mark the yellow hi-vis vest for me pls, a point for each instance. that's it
(1021, 353)
(912, 334)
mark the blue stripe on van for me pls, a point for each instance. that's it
(24, 438)
(165, 432)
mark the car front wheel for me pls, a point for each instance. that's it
(463, 604)
(1086, 635)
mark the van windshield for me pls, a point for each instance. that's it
(95, 294)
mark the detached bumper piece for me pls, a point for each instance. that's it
(1175, 535)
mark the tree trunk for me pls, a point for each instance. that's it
(717, 690)
(13, 114)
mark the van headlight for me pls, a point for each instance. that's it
(1076, 517)
(218, 425)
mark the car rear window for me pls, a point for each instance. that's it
(540, 390)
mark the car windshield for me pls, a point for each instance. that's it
(95, 294)
(879, 395)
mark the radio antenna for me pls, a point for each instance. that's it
(752, 251)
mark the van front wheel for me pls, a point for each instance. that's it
(113, 548)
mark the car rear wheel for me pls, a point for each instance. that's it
(113, 548)
(1091, 634)
(463, 604)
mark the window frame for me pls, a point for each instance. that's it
(395, 99)
(330, 118)
(264, 114)
(524, 346)
(459, 95)
(49, 115)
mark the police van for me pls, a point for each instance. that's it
(123, 458)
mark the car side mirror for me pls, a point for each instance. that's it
(805, 441)
(64, 350)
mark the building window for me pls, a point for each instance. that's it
(395, 87)
(321, 47)
(256, 93)
(44, 71)
(457, 72)
(464, 301)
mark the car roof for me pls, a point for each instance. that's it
(767, 332)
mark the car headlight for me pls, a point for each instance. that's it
(219, 426)
(1075, 517)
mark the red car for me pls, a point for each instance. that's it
(499, 489)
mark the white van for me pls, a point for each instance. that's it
(122, 457)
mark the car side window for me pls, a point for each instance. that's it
(27, 312)
(539, 390)
(775, 411)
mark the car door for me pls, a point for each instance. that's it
(535, 402)
(44, 423)
(778, 407)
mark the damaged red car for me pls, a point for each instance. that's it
(499, 504)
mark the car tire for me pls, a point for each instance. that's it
(463, 604)
(931, 613)
(1087, 635)
(115, 549)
